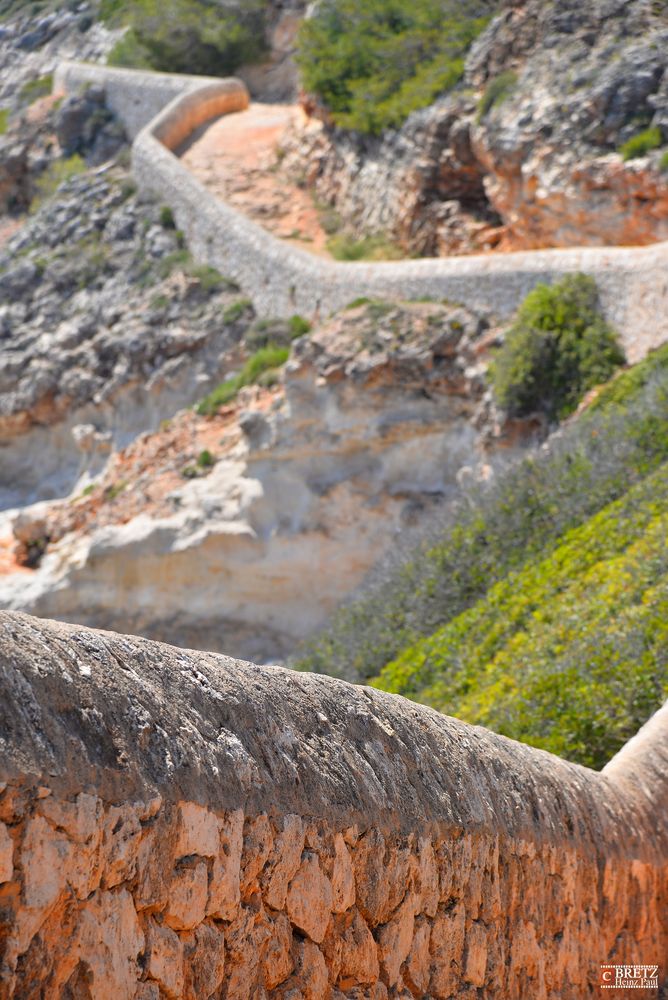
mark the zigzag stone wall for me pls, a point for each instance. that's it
(181, 825)
(281, 280)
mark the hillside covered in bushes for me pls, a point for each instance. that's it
(536, 607)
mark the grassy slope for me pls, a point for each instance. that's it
(570, 652)
(539, 610)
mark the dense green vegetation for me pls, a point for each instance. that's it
(373, 62)
(569, 653)
(642, 143)
(559, 346)
(536, 607)
(210, 37)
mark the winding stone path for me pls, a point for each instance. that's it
(237, 158)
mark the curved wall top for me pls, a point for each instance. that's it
(161, 110)
(179, 824)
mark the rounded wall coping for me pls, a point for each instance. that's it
(187, 112)
(124, 717)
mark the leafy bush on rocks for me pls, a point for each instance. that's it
(642, 143)
(188, 36)
(266, 359)
(374, 62)
(568, 653)
(559, 347)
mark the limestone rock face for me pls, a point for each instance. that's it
(106, 328)
(159, 837)
(311, 482)
(541, 166)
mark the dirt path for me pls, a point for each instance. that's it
(237, 157)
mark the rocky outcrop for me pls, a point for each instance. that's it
(276, 78)
(31, 45)
(537, 165)
(54, 127)
(187, 826)
(305, 486)
(106, 328)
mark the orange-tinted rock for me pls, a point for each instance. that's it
(186, 906)
(164, 958)
(288, 850)
(6, 854)
(343, 878)
(309, 899)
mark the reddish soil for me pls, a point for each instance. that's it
(238, 158)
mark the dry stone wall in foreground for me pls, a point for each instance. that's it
(185, 825)
(160, 111)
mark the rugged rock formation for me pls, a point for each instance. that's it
(277, 79)
(31, 45)
(106, 328)
(308, 484)
(540, 167)
(187, 826)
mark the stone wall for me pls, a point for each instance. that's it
(185, 825)
(282, 280)
(134, 96)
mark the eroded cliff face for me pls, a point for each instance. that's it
(541, 166)
(106, 328)
(184, 826)
(305, 486)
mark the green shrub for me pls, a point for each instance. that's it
(279, 332)
(558, 347)
(188, 36)
(234, 312)
(205, 459)
(626, 385)
(36, 88)
(115, 490)
(210, 279)
(177, 260)
(58, 172)
(298, 326)
(663, 163)
(346, 247)
(374, 62)
(266, 359)
(496, 92)
(167, 218)
(642, 143)
(4, 120)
